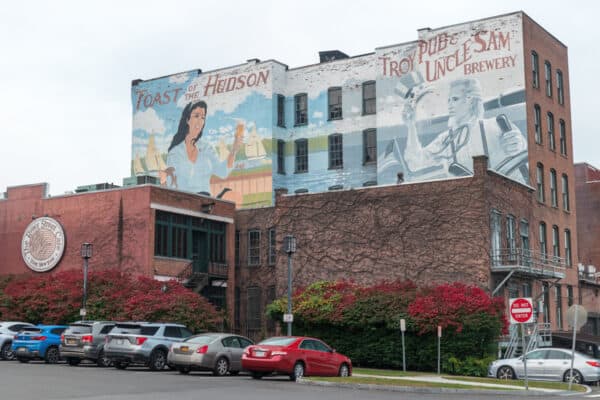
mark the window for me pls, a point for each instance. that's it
(369, 98)
(527, 289)
(301, 155)
(565, 192)
(336, 151)
(524, 231)
(369, 146)
(540, 183)
(281, 110)
(543, 245)
(563, 137)
(548, 70)
(217, 248)
(272, 246)
(570, 295)
(511, 240)
(560, 87)
(546, 308)
(237, 248)
(558, 299)
(237, 301)
(537, 120)
(334, 96)
(253, 308)
(496, 239)
(254, 247)
(301, 107)
(553, 189)
(555, 243)
(568, 247)
(535, 69)
(280, 156)
(550, 124)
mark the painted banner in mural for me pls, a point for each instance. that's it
(456, 93)
(206, 133)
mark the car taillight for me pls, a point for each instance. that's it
(593, 363)
(202, 350)
(140, 340)
(41, 338)
(279, 353)
(62, 338)
(87, 339)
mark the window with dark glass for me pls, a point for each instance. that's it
(565, 192)
(526, 289)
(334, 96)
(537, 121)
(525, 247)
(570, 296)
(369, 98)
(369, 146)
(496, 239)
(543, 243)
(553, 189)
(535, 69)
(237, 248)
(336, 151)
(568, 247)
(301, 108)
(301, 155)
(253, 308)
(272, 246)
(281, 110)
(548, 70)
(540, 182)
(558, 299)
(550, 124)
(555, 242)
(560, 88)
(546, 297)
(563, 137)
(280, 156)
(254, 247)
(511, 240)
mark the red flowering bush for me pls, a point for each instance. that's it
(112, 295)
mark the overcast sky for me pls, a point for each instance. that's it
(66, 66)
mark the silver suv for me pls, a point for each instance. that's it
(147, 344)
(84, 340)
(8, 330)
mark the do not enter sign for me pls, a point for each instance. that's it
(521, 310)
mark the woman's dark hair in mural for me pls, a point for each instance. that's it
(182, 130)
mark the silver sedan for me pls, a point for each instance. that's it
(548, 364)
(220, 353)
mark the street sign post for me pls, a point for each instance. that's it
(439, 335)
(576, 317)
(402, 330)
(521, 312)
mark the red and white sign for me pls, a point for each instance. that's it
(521, 310)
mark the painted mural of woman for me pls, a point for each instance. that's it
(192, 160)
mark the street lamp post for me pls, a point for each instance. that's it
(290, 248)
(86, 254)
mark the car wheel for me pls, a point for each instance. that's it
(298, 371)
(577, 377)
(257, 375)
(73, 361)
(52, 355)
(6, 353)
(158, 360)
(221, 367)
(505, 372)
(120, 364)
(23, 360)
(344, 370)
(184, 370)
(102, 360)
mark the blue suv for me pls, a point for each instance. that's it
(38, 342)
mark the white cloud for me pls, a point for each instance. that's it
(148, 121)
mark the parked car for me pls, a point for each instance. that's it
(294, 356)
(84, 340)
(38, 342)
(8, 330)
(551, 364)
(220, 353)
(147, 344)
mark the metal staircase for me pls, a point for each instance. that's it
(536, 335)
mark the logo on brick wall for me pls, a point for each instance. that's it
(43, 244)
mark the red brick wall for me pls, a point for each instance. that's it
(588, 214)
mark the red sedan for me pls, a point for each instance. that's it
(294, 356)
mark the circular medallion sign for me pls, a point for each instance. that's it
(43, 244)
(521, 310)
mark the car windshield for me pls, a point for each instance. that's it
(279, 341)
(204, 339)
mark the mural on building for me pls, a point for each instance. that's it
(455, 93)
(206, 133)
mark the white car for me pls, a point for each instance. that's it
(548, 364)
(8, 330)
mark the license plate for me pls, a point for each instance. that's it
(71, 341)
(184, 348)
(259, 353)
(22, 350)
(119, 341)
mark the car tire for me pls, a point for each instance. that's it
(577, 377)
(6, 352)
(158, 360)
(298, 371)
(52, 355)
(344, 370)
(257, 375)
(221, 367)
(73, 361)
(184, 370)
(120, 364)
(102, 360)
(23, 360)
(506, 372)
